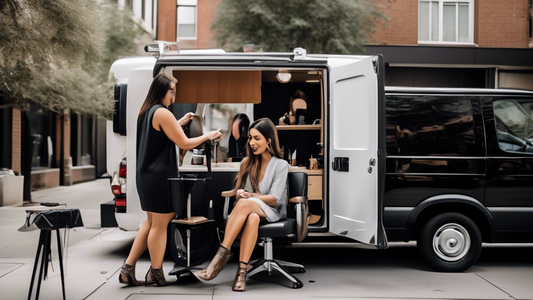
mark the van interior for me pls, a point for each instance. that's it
(220, 95)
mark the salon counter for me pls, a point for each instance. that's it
(235, 166)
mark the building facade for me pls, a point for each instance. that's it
(188, 21)
(51, 149)
(445, 43)
(438, 43)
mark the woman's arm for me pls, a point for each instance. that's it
(268, 199)
(165, 120)
(277, 186)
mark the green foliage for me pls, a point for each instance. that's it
(319, 26)
(58, 53)
(121, 30)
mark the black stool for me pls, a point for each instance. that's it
(46, 222)
(189, 223)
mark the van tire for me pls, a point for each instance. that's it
(450, 242)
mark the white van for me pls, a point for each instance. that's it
(343, 127)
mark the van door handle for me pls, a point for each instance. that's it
(341, 164)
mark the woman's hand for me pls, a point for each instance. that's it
(239, 194)
(186, 119)
(243, 194)
(214, 135)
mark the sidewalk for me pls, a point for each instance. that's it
(95, 256)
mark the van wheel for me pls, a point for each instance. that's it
(450, 242)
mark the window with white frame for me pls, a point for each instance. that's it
(445, 21)
(187, 19)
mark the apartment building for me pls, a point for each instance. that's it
(439, 43)
(466, 43)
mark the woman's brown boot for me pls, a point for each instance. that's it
(155, 276)
(239, 283)
(127, 275)
(216, 265)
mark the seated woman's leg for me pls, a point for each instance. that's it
(249, 237)
(240, 213)
(248, 241)
(243, 208)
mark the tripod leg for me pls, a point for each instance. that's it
(61, 263)
(43, 263)
(47, 247)
(36, 262)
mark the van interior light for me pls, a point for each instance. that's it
(283, 76)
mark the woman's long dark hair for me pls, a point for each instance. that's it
(251, 164)
(156, 93)
(236, 147)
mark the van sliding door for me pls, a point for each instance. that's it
(356, 148)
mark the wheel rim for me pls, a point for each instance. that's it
(451, 242)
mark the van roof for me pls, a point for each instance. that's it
(424, 90)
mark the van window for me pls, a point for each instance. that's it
(435, 126)
(514, 125)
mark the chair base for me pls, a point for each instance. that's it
(182, 273)
(263, 265)
(268, 263)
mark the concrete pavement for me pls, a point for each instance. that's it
(344, 271)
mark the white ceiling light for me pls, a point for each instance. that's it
(283, 76)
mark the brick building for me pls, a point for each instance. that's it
(187, 20)
(445, 43)
(440, 43)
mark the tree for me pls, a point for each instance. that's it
(333, 26)
(57, 53)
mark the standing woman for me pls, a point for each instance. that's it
(157, 132)
(261, 193)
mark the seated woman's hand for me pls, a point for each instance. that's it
(243, 194)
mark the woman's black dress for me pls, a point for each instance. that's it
(156, 161)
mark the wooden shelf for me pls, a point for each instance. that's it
(305, 170)
(298, 127)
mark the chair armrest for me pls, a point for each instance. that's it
(301, 211)
(227, 195)
(231, 193)
(300, 199)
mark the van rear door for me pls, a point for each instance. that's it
(356, 148)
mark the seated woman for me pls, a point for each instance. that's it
(261, 193)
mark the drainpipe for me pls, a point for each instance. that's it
(496, 82)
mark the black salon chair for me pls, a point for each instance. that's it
(293, 228)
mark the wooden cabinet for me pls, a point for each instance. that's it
(314, 188)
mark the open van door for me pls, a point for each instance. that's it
(357, 148)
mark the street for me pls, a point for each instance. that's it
(94, 257)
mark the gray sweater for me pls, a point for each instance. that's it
(274, 183)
